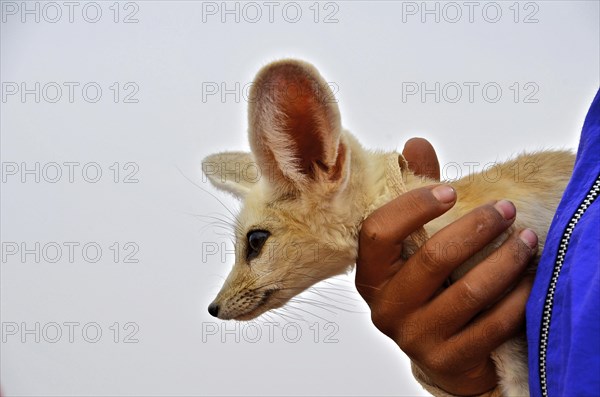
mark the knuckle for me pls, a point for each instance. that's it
(428, 258)
(371, 230)
(415, 200)
(469, 294)
(387, 320)
(496, 331)
(486, 217)
(411, 343)
(522, 254)
(381, 318)
(367, 292)
(438, 362)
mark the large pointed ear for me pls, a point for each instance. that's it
(294, 127)
(233, 172)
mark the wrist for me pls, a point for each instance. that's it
(438, 390)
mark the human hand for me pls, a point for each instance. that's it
(449, 333)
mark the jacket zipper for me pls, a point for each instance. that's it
(549, 302)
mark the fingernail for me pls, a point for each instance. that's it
(529, 237)
(444, 194)
(506, 209)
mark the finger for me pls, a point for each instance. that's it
(421, 158)
(382, 233)
(484, 284)
(446, 250)
(504, 321)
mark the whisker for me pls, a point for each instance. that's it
(315, 303)
(204, 190)
(322, 293)
(286, 316)
(307, 312)
(324, 305)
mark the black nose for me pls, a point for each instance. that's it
(213, 309)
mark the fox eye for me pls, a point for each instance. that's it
(256, 240)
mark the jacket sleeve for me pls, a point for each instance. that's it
(563, 314)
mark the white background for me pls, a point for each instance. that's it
(172, 52)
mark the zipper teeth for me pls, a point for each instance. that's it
(549, 302)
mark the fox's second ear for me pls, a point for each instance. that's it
(233, 172)
(294, 127)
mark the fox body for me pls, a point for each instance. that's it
(309, 184)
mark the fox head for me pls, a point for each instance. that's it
(296, 224)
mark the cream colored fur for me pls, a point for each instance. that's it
(314, 216)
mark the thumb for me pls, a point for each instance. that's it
(421, 158)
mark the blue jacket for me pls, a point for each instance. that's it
(563, 311)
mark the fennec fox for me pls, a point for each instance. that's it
(309, 183)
